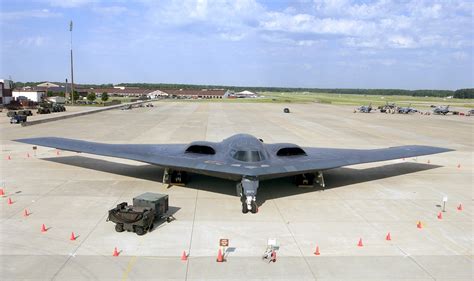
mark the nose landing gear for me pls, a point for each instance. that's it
(247, 190)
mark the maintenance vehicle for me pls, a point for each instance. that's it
(147, 208)
(17, 119)
(47, 107)
(25, 112)
(11, 113)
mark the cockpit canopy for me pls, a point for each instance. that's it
(247, 155)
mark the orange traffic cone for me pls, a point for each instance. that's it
(360, 243)
(25, 213)
(388, 237)
(28, 155)
(43, 228)
(2, 192)
(116, 253)
(459, 207)
(220, 257)
(419, 224)
(9, 157)
(10, 201)
(440, 215)
(317, 253)
(184, 257)
(459, 165)
(73, 237)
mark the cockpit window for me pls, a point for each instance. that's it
(247, 155)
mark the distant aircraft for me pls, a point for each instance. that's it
(442, 109)
(242, 158)
(406, 110)
(387, 108)
(364, 108)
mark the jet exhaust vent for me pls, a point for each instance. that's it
(201, 149)
(291, 151)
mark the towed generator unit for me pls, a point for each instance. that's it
(139, 217)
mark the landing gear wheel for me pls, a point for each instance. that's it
(245, 209)
(139, 230)
(254, 207)
(119, 227)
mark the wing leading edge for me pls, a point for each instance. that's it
(173, 156)
(319, 159)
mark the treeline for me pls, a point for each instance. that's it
(461, 93)
(464, 94)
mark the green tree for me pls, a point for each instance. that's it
(75, 95)
(91, 97)
(464, 93)
(104, 96)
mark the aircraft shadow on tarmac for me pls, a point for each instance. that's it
(270, 189)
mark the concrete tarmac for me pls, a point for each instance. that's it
(71, 192)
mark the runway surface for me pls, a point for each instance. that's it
(71, 192)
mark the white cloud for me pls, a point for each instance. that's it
(32, 41)
(305, 23)
(400, 41)
(459, 56)
(232, 36)
(109, 10)
(280, 39)
(37, 14)
(69, 3)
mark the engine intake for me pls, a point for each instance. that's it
(291, 151)
(201, 149)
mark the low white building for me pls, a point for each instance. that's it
(57, 99)
(246, 94)
(157, 94)
(6, 87)
(35, 96)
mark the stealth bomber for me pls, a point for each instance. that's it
(242, 158)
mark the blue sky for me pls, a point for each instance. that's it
(409, 44)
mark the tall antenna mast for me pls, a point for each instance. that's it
(72, 67)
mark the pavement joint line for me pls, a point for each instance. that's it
(40, 197)
(191, 236)
(84, 240)
(294, 239)
(419, 265)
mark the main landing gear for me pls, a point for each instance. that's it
(172, 177)
(247, 190)
(310, 180)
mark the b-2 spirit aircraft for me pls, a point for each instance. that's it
(242, 158)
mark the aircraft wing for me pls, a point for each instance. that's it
(319, 159)
(173, 156)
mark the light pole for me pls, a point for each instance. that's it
(72, 68)
(66, 93)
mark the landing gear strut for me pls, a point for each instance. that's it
(247, 190)
(310, 180)
(172, 177)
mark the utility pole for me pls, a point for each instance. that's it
(72, 67)
(66, 93)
